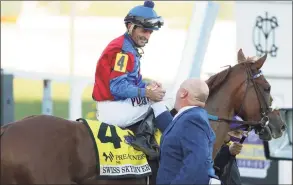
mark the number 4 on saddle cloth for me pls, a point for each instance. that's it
(115, 157)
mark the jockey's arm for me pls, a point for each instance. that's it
(120, 81)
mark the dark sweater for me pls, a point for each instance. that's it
(222, 159)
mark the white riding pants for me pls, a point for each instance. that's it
(125, 113)
(122, 113)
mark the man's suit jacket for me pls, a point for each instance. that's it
(186, 148)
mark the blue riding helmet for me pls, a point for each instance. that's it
(145, 16)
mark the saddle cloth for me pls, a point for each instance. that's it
(115, 157)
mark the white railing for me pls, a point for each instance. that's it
(77, 84)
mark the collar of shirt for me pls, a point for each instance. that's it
(128, 37)
(182, 110)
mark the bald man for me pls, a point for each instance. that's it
(187, 140)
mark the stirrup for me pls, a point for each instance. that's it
(147, 151)
(155, 146)
(144, 145)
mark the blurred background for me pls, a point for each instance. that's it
(35, 37)
(58, 40)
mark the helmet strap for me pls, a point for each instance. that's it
(130, 30)
(140, 51)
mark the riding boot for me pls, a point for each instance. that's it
(144, 135)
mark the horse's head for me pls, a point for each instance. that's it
(253, 99)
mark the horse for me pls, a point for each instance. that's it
(43, 149)
(244, 92)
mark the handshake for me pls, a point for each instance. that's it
(154, 91)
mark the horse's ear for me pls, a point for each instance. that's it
(240, 56)
(259, 63)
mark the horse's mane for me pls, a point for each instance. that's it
(218, 79)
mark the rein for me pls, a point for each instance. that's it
(244, 124)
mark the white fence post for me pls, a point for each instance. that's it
(201, 25)
(75, 98)
(75, 102)
(47, 104)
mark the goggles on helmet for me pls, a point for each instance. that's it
(150, 23)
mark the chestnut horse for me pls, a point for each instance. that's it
(50, 150)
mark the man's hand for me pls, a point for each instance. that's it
(235, 148)
(155, 94)
(154, 84)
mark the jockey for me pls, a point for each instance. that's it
(122, 97)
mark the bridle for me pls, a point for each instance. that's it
(259, 126)
(264, 107)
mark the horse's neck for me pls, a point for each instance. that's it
(220, 104)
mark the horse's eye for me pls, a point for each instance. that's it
(268, 89)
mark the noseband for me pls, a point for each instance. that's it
(259, 126)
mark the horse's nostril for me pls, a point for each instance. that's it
(283, 127)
